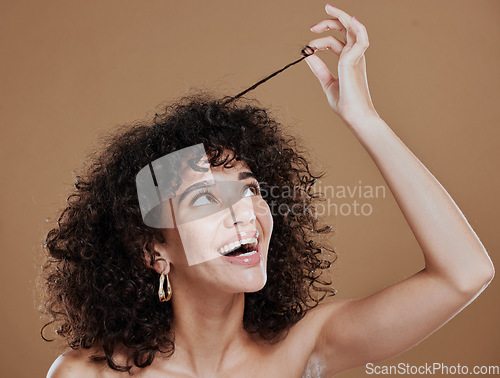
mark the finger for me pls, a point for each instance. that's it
(328, 25)
(339, 14)
(320, 69)
(355, 31)
(330, 43)
(362, 41)
(346, 21)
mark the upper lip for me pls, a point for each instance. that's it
(241, 236)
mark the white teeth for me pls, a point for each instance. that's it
(249, 254)
(237, 244)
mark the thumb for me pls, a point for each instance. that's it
(320, 69)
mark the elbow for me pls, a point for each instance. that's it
(485, 279)
(479, 279)
(488, 271)
(469, 279)
(490, 274)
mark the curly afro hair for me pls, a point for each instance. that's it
(99, 289)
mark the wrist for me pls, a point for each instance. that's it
(360, 122)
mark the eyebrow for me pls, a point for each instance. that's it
(245, 175)
(198, 185)
(208, 183)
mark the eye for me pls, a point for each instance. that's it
(251, 190)
(204, 198)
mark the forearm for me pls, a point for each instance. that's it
(452, 250)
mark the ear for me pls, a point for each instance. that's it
(159, 252)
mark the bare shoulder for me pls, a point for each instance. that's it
(74, 363)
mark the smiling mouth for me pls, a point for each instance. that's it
(239, 247)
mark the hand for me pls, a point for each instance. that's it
(348, 95)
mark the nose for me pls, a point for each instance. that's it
(240, 213)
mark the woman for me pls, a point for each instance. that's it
(227, 318)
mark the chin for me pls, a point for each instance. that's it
(254, 283)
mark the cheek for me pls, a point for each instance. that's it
(198, 233)
(197, 238)
(263, 214)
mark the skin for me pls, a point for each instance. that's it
(209, 297)
(341, 334)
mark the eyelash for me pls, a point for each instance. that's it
(200, 194)
(254, 185)
(205, 191)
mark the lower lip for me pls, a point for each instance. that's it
(245, 260)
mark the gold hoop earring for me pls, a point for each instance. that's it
(161, 291)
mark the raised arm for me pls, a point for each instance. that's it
(457, 267)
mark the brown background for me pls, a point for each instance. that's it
(74, 69)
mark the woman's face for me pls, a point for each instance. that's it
(215, 212)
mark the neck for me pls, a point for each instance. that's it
(208, 328)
